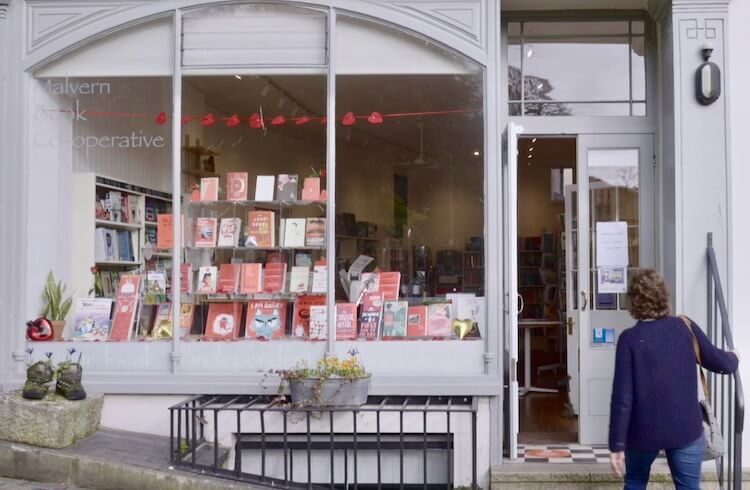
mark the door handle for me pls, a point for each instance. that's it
(584, 300)
(570, 326)
(522, 305)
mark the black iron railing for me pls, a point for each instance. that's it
(390, 442)
(727, 397)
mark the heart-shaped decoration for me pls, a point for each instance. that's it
(161, 118)
(348, 119)
(302, 120)
(278, 121)
(462, 327)
(233, 121)
(255, 121)
(208, 120)
(186, 118)
(375, 118)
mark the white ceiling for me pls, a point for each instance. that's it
(574, 4)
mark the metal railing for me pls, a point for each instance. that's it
(727, 397)
(390, 442)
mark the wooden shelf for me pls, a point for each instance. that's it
(117, 263)
(200, 173)
(117, 225)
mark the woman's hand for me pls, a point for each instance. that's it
(617, 460)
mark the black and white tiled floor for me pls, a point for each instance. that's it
(566, 453)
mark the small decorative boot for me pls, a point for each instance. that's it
(69, 381)
(38, 377)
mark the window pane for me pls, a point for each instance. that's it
(576, 109)
(639, 109)
(574, 28)
(514, 70)
(638, 59)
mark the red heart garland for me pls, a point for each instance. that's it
(208, 120)
(255, 121)
(348, 119)
(233, 121)
(161, 118)
(302, 120)
(375, 118)
(186, 118)
(323, 120)
(278, 121)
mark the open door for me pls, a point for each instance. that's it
(512, 306)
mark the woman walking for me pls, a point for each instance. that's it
(655, 391)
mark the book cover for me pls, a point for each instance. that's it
(265, 319)
(186, 278)
(134, 210)
(389, 283)
(187, 313)
(299, 281)
(294, 232)
(125, 216)
(303, 258)
(395, 318)
(126, 304)
(252, 278)
(146, 317)
(264, 187)
(286, 187)
(438, 320)
(274, 277)
(372, 312)
(455, 299)
(311, 189)
(229, 232)
(209, 189)
(346, 321)
(315, 232)
(318, 322)
(205, 232)
(320, 279)
(471, 308)
(109, 241)
(156, 282)
(370, 282)
(163, 322)
(103, 246)
(301, 316)
(417, 321)
(207, 280)
(229, 278)
(261, 229)
(237, 186)
(92, 319)
(282, 231)
(223, 321)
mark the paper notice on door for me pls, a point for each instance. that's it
(611, 244)
(612, 280)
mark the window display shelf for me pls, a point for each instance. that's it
(117, 225)
(287, 203)
(121, 263)
(219, 297)
(240, 249)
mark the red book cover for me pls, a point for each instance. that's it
(186, 278)
(205, 232)
(265, 320)
(274, 277)
(301, 319)
(369, 319)
(164, 231)
(209, 189)
(261, 229)
(311, 189)
(438, 320)
(223, 321)
(389, 284)
(229, 278)
(416, 321)
(126, 304)
(252, 278)
(346, 321)
(237, 186)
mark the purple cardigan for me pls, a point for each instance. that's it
(655, 391)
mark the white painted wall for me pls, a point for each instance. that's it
(739, 106)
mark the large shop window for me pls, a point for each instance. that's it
(576, 68)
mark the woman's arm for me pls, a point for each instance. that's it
(713, 358)
(622, 396)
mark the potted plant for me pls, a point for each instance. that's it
(333, 382)
(55, 307)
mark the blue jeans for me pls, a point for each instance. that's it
(684, 464)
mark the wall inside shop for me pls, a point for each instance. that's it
(537, 212)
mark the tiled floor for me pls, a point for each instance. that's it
(565, 453)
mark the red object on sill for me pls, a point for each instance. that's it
(348, 119)
(233, 121)
(161, 118)
(208, 120)
(278, 121)
(302, 120)
(375, 118)
(255, 121)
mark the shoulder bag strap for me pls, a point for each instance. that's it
(697, 351)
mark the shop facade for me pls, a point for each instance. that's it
(417, 118)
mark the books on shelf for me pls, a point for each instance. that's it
(229, 278)
(369, 319)
(346, 321)
(162, 328)
(252, 278)
(209, 189)
(286, 187)
(186, 278)
(301, 314)
(318, 322)
(265, 319)
(261, 229)
(315, 232)
(125, 246)
(311, 189)
(438, 320)
(237, 186)
(105, 243)
(417, 321)
(126, 304)
(164, 231)
(294, 232)
(274, 277)
(320, 278)
(389, 284)
(205, 232)
(264, 187)
(207, 280)
(187, 314)
(229, 232)
(92, 319)
(299, 280)
(223, 322)
(395, 318)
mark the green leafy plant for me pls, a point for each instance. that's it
(55, 307)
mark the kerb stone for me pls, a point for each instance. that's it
(53, 422)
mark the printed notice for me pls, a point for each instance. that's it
(612, 280)
(611, 244)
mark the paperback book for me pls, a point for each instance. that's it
(264, 187)
(223, 321)
(395, 318)
(318, 322)
(372, 312)
(294, 232)
(252, 278)
(286, 187)
(209, 189)
(315, 232)
(237, 186)
(126, 304)
(186, 278)
(92, 319)
(274, 277)
(301, 317)
(417, 321)
(438, 320)
(229, 232)
(320, 279)
(207, 280)
(265, 319)
(311, 189)
(346, 321)
(261, 229)
(229, 278)
(299, 280)
(205, 232)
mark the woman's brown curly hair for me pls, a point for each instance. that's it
(648, 296)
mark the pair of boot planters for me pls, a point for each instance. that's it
(42, 373)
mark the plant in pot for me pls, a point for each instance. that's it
(55, 308)
(333, 382)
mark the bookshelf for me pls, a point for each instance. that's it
(538, 282)
(473, 280)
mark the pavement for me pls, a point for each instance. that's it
(10, 484)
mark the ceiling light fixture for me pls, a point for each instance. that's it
(533, 140)
(476, 153)
(529, 156)
(238, 77)
(531, 149)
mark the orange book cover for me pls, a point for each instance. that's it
(301, 317)
(223, 321)
(126, 304)
(164, 231)
(389, 284)
(229, 278)
(237, 186)
(346, 321)
(274, 278)
(252, 278)
(416, 322)
(209, 189)
(265, 319)
(261, 229)
(311, 189)
(205, 232)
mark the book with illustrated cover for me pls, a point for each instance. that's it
(229, 232)
(299, 280)
(105, 243)
(209, 189)
(134, 210)
(146, 317)
(286, 187)
(265, 319)
(92, 319)
(438, 320)
(294, 232)
(237, 186)
(261, 229)
(229, 278)
(417, 321)
(315, 232)
(274, 277)
(264, 187)
(205, 232)
(187, 313)
(163, 322)
(252, 278)
(471, 308)
(186, 278)
(318, 322)
(346, 321)
(207, 280)
(370, 282)
(320, 279)
(126, 304)
(223, 321)
(301, 317)
(371, 315)
(395, 315)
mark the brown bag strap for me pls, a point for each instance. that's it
(697, 351)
